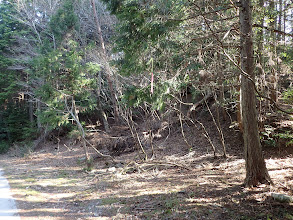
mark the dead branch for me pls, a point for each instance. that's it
(135, 134)
(207, 13)
(100, 153)
(273, 30)
(165, 163)
(147, 165)
(182, 132)
(219, 131)
(205, 132)
(72, 112)
(196, 105)
(242, 72)
(106, 59)
(215, 32)
(81, 130)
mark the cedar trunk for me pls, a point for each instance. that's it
(256, 171)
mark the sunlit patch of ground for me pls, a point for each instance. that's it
(182, 184)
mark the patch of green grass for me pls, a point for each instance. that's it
(30, 180)
(171, 204)
(62, 174)
(109, 201)
(87, 192)
(73, 181)
(150, 214)
(31, 192)
(19, 185)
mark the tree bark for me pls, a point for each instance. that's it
(273, 78)
(284, 21)
(280, 16)
(261, 74)
(260, 40)
(106, 62)
(38, 118)
(256, 171)
(31, 111)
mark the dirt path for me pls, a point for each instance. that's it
(8, 208)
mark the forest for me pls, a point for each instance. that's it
(159, 109)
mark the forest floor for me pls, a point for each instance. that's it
(178, 183)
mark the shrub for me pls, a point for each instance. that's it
(4, 147)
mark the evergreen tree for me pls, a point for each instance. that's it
(63, 75)
(13, 112)
(61, 71)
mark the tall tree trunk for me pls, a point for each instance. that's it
(222, 90)
(31, 111)
(280, 19)
(284, 21)
(38, 118)
(256, 171)
(106, 62)
(261, 74)
(260, 34)
(273, 62)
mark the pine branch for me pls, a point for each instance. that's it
(272, 29)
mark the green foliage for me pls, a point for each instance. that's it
(4, 146)
(64, 76)
(287, 55)
(288, 216)
(56, 74)
(271, 138)
(288, 96)
(134, 96)
(74, 134)
(287, 136)
(151, 37)
(16, 124)
(9, 27)
(8, 85)
(143, 32)
(266, 136)
(64, 20)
